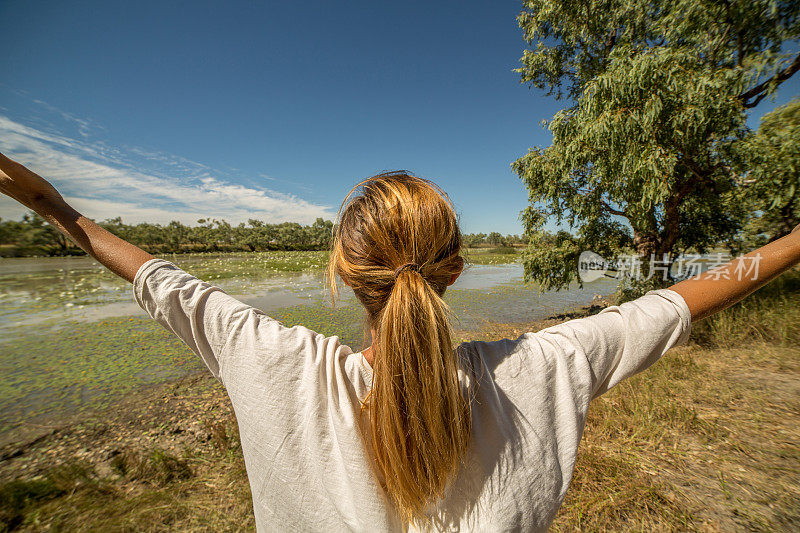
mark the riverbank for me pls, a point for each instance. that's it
(705, 440)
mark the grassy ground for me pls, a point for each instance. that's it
(705, 440)
(164, 460)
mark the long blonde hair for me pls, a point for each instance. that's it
(397, 244)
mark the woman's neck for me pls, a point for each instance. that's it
(367, 353)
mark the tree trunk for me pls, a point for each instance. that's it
(645, 243)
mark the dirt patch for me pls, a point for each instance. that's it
(174, 416)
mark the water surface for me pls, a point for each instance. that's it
(72, 338)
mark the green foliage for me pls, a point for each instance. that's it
(33, 236)
(494, 238)
(770, 163)
(471, 240)
(548, 259)
(642, 157)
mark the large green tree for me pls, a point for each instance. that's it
(656, 96)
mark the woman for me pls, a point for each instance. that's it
(410, 431)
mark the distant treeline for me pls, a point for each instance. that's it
(33, 236)
(475, 240)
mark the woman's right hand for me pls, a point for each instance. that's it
(25, 186)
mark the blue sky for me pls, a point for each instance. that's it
(272, 110)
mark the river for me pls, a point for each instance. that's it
(72, 338)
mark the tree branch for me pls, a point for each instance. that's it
(585, 193)
(613, 211)
(759, 91)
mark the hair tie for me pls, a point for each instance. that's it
(407, 266)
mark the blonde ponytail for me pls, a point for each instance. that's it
(418, 415)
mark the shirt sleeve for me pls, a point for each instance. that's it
(623, 340)
(200, 314)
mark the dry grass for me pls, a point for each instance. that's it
(771, 316)
(706, 440)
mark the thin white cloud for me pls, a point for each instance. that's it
(84, 126)
(104, 182)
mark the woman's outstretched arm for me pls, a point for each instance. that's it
(36, 193)
(722, 287)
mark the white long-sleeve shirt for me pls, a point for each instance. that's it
(297, 397)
